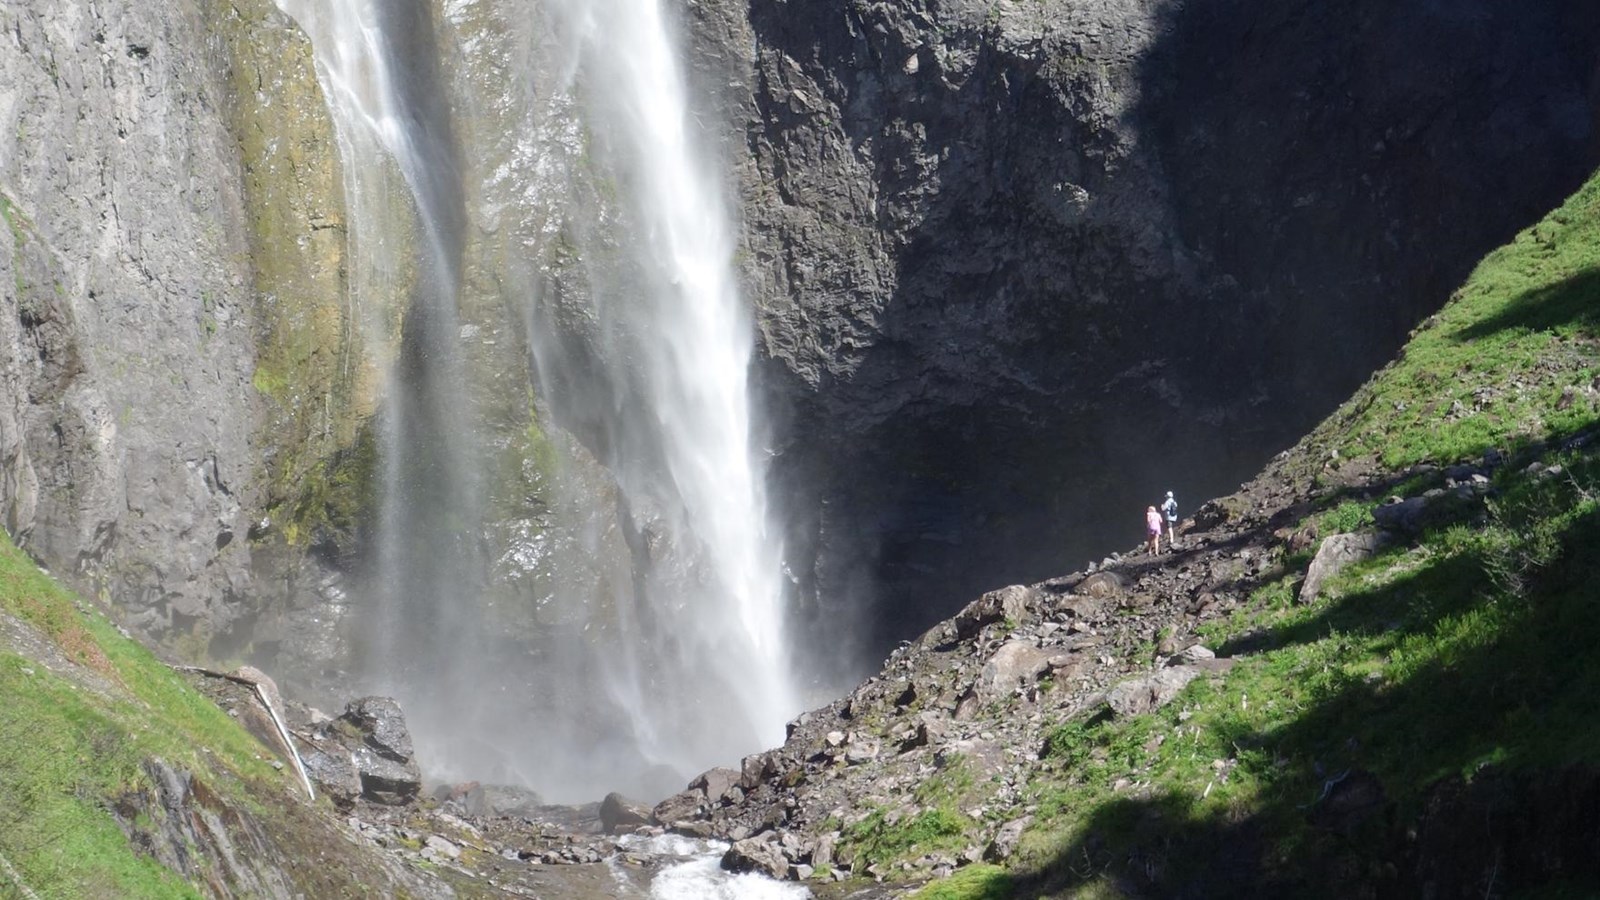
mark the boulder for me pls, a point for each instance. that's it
(861, 750)
(383, 726)
(756, 855)
(912, 737)
(1150, 692)
(1082, 607)
(1337, 552)
(1015, 602)
(1016, 664)
(715, 784)
(1103, 584)
(682, 812)
(822, 853)
(333, 768)
(755, 769)
(1404, 516)
(373, 731)
(509, 800)
(618, 813)
(385, 781)
(1006, 839)
(468, 797)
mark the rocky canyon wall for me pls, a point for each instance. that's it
(176, 360)
(1018, 268)
(1026, 266)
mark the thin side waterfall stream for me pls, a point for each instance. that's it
(638, 638)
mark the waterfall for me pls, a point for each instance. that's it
(676, 339)
(645, 657)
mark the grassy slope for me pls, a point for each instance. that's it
(1467, 650)
(67, 749)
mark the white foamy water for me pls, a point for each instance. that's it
(699, 875)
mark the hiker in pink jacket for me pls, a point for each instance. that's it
(1152, 529)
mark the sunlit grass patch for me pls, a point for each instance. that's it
(1467, 649)
(978, 882)
(68, 751)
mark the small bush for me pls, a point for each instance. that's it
(1346, 517)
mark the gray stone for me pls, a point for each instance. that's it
(332, 768)
(1006, 839)
(1015, 664)
(756, 855)
(1401, 515)
(443, 847)
(715, 784)
(861, 750)
(1337, 552)
(619, 814)
(681, 810)
(386, 781)
(1150, 692)
(383, 726)
(755, 769)
(1103, 584)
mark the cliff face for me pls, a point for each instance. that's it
(171, 259)
(1019, 268)
(1026, 266)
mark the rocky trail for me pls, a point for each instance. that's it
(960, 715)
(959, 718)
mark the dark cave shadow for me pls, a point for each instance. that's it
(1574, 300)
(1288, 265)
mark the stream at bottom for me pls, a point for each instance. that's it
(691, 870)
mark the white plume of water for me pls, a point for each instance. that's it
(390, 117)
(682, 664)
(685, 335)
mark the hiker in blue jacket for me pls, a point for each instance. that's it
(1170, 509)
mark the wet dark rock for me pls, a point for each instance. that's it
(382, 726)
(332, 768)
(370, 737)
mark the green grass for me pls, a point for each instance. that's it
(61, 757)
(1471, 648)
(1492, 368)
(67, 751)
(971, 883)
(1468, 649)
(881, 839)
